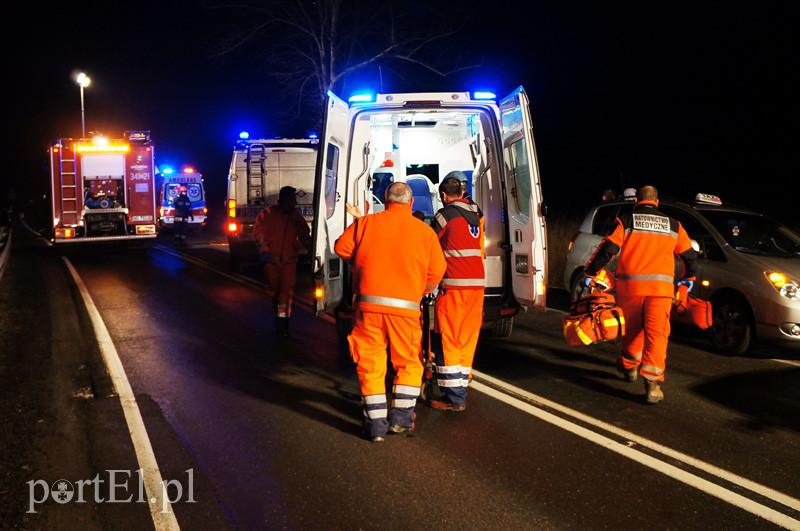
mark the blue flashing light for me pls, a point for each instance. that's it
(167, 170)
(484, 95)
(364, 97)
(312, 135)
(244, 135)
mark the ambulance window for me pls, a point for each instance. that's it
(331, 177)
(521, 170)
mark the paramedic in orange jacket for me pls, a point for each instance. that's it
(459, 307)
(277, 231)
(396, 259)
(647, 241)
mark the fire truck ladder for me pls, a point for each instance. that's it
(256, 155)
(69, 191)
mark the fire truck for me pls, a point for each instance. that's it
(103, 189)
(169, 184)
(259, 169)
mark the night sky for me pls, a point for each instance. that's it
(685, 97)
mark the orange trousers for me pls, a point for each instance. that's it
(372, 333)
(280, 279)
(647, 330)
(459, 316)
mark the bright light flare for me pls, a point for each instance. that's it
(83, 80)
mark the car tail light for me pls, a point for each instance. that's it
(508, 311)
(205, 210)
(319, 293)
(233, 227)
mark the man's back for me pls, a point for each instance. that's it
(394, 256)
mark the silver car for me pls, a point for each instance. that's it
(749, 267)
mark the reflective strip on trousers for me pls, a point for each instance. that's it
(454, 382)
(449, 369)
(652, 369)
(632, 357)
(462, 253)
(464, 282)
(662, 278)
(406, 390)
(388, 301)
(375, 407)
(404, 402)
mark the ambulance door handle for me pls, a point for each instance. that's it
(338, 197)
(517, 236)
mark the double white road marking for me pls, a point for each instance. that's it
(608, 436)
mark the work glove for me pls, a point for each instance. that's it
(688, 283)
(595, 282)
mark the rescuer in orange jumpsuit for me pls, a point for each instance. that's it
(277, 231)
(459, 307)
(647, 241)
(396, 259)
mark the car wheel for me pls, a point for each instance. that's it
(503, 327)
(732, 331)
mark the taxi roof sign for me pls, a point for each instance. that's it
(708, 199)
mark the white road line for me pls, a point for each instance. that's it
(787, 362)
(663, 467)
(750, 485)
(160, 508)
(5, 254)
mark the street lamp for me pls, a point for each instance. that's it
(83, 81)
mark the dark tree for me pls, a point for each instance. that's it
(308, 47)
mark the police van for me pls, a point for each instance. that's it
(259, 169)
(373, 140)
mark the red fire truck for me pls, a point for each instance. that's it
(103, 189)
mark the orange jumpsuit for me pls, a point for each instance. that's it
(396, 259)
(459, 308)
(277, 233)
(647, 242)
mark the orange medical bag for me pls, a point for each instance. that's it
(691, 310)
(594, 318)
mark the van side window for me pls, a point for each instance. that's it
(521, 169)
(331, 177)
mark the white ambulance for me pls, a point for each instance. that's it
(418, 138)
(259, 169)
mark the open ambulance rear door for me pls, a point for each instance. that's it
(526, 221)
(329, 203)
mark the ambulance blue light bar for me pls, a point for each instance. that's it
(167, 170)
(244, 135)
(364, 97)
(484, 95)
(312, 135)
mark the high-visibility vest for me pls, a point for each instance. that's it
(647, 241)
(396, 260)
(460, 228)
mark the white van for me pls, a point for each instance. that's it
(259, 169)
(418, 138)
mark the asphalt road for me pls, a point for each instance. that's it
(269, 427)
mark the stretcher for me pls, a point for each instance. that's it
(429, 389)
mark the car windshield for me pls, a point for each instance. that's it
(755, 234)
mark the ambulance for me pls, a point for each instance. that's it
(169, 184)
(259, 169)
(103, 189)
(373, 140)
